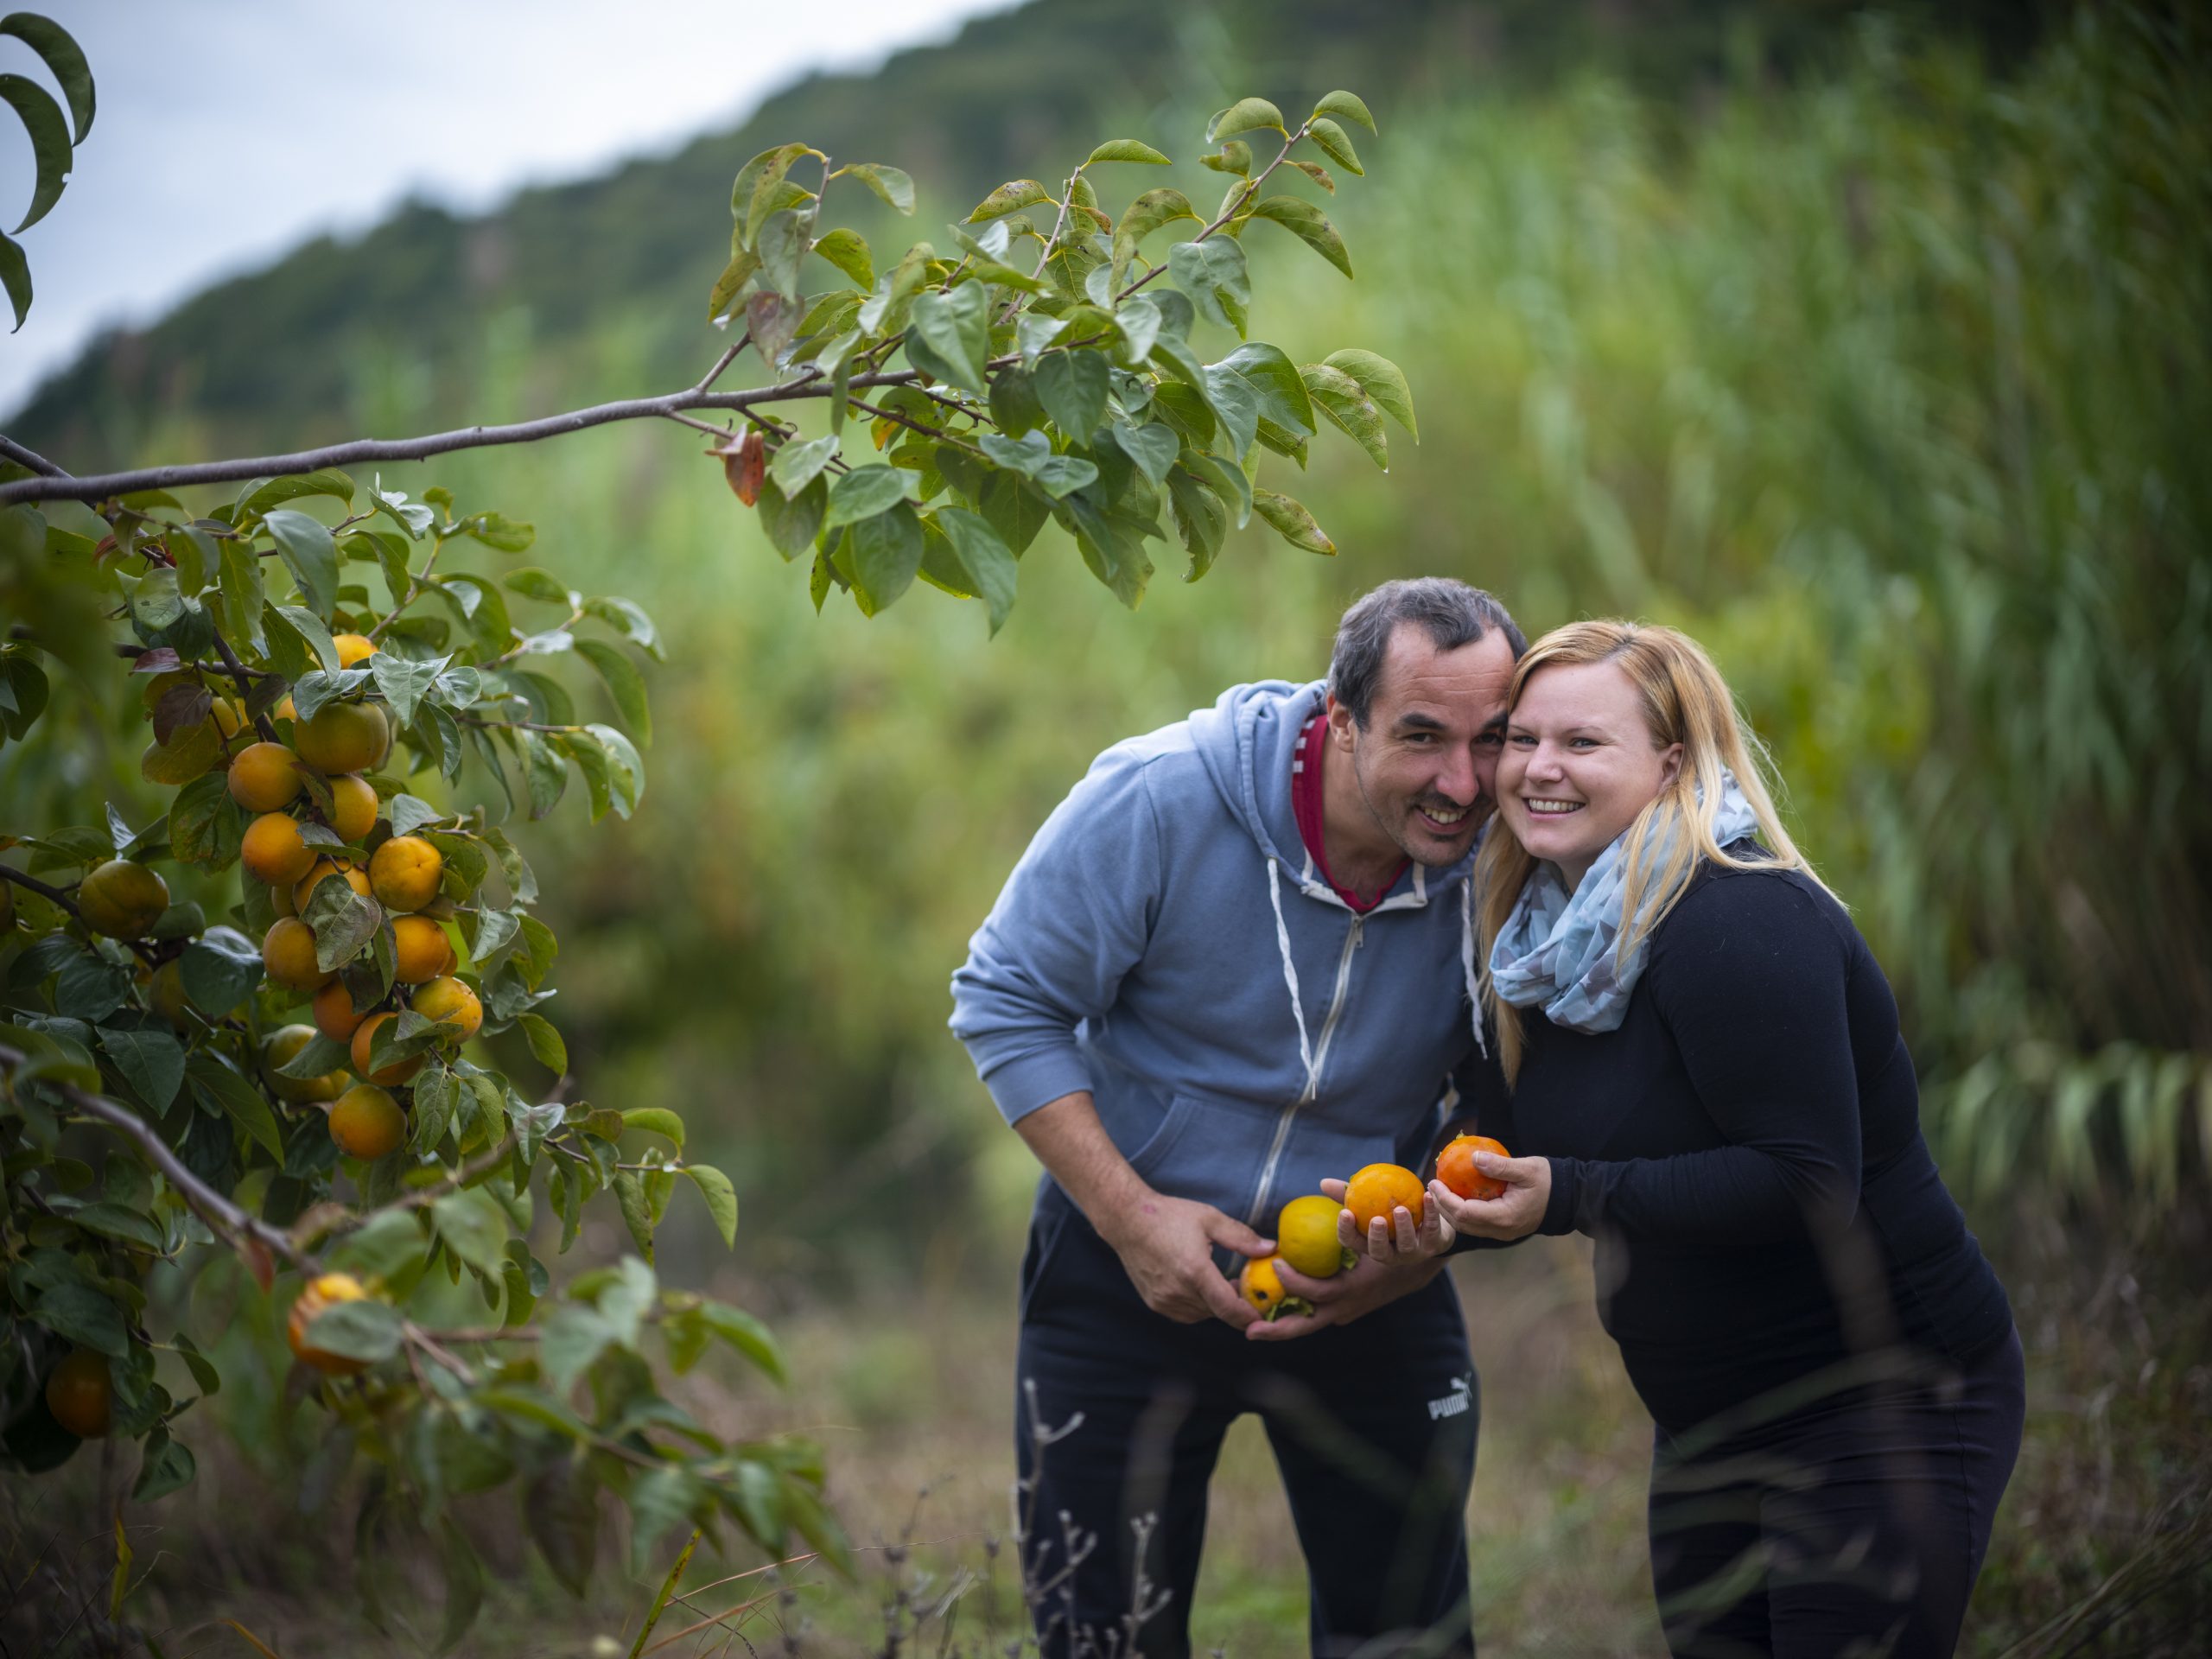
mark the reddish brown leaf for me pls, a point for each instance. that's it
(259, 1262)
(745, 465)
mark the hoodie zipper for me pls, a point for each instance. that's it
(1352, 939)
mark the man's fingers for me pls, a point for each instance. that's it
(1221, 1299)
(1227, 1229)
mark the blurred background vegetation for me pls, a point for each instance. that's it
(1869, 347)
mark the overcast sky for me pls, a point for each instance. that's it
(229, 131)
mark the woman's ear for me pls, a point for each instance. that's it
(1670, 763)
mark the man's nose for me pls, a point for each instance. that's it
(1459, 780)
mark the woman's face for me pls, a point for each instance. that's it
(1580, 763)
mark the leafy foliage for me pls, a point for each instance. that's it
(53, 135)
(159, 1106)
(1051, 373)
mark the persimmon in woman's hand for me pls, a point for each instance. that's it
(1455, 1167)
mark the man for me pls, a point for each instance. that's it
(1233, 962)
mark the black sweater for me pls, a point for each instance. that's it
(1746, 1148)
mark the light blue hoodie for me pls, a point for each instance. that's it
(1167, 943)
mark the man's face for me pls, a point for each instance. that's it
(1427, 760)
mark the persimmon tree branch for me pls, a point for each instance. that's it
(218, 1211)
(53, 485)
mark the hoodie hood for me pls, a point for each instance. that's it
(1250, 733)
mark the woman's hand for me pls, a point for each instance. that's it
(1398, 1242)
(1516, 1213)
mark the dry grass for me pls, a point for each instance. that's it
(2101, 1547)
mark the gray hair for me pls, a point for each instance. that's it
(1453, 614)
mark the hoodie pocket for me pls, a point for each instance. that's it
(1160, 1143)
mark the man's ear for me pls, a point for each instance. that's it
(1342, 725)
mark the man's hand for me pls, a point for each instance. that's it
(1359, 1289)
(1166, 1246)
(1515, 1214)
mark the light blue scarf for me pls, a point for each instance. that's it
(1556, 948)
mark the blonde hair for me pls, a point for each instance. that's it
(1686, 701)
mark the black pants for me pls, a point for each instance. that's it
(1856, 1528)
(1372, 1424)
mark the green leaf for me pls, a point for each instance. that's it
(404, 682)
(1152, 447)
(1015, 194)
(864, 493)
(848, 251)
(498, 533)
(166, 1466)
(796, 465)
(118, 1221)
(1213, 274)
(545, 1044)
(1275, 380)
(74, 1308)
(791, 522)
(956, 327)
(1346, 106)
(1072, 386)
(782, 247)
(1201, 521)
(308, 636)
(1336, 144)
(1224, 478)
(1032, 456)
(62, 57)
(1234, 156)
(748, 1335)
(1383, 381)
(365, 1330)
(626, 771)
(1294, 523)
(739, 271)
(631, 619)
(237, 1099)
(1235, 402)
(1126, 150)
(49, 136)
(151, 1062)
(1246, 115)
(262, 493)
(1346, 403)
(624, 684)
(1015, 509)
(637, 1215)
(896, 190)
(464, 1577)
(308, 552)
(473, 1227)
(887, 551)
(985, 557)
(1147, 214)
(219, 969)
(343, 921)
(15, 276)
(766, 172)
(387, 1244)
(1306, 222)
(721, 1197)
(655, 1120)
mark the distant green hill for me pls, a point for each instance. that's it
(295, 354)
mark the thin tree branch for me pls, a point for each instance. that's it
(144, 951)
(29, 458)
(218, 1211)
(1235, 205)
(99, 485)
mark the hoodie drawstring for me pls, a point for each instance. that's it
(1290, 978)
(1466, 959)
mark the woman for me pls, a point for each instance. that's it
(1700, 1065)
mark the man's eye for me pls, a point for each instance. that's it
(1488, 741)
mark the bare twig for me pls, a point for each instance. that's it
(29, 458)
